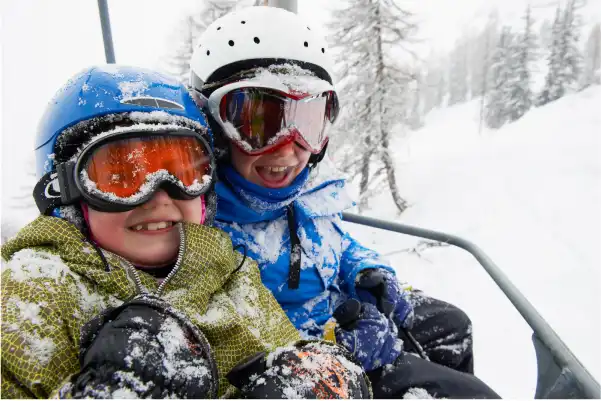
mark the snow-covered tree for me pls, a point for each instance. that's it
(523, 54)
(592, 59)
(368, 35)
(564, 61)
(433, 85)
(571, 53)
(546, 34)
(497, 97)
(458, 73)
(191, 27)
(552, 91)
(415, 93)
(480, 53)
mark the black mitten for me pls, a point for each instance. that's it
(310, 370)
(144, 349)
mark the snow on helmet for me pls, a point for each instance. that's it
(110, 95)
(258, 37)
(110, 90)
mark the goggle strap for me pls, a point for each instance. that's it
(66, 180)
(314, 159)
(47, 194)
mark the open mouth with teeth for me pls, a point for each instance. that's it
(154, 226)
(274, 176)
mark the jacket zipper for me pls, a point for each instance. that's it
(295, 250)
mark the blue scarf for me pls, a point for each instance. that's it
(259, 203)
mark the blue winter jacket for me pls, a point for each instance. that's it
(256, 217)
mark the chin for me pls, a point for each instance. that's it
(155, 260)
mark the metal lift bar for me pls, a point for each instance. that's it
(290, 5)
(560, 352)
(107, 37)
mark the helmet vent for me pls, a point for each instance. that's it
(308, 28)
(323, 50)
(243, 22)
(208, 52)
(257, 40)
(154, 102)
(218, 28)
(231, 42)
(306, 44)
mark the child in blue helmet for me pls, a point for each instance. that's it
(264, 78)
(121, 289)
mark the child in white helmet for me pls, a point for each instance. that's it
(264, 78)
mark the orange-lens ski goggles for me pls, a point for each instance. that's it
(122, 171)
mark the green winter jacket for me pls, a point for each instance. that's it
(54, 281)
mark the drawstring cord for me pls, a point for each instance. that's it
(243, 258)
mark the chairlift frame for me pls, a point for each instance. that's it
(560, 373)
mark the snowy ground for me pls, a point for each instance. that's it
(530, 196)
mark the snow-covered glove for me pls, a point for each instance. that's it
(143, 349)
(381, 288)
(367, 334)
(308, 369)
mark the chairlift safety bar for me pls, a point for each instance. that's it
(541, 328)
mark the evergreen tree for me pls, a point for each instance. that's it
(458, 73)
(497, 97)
(373, 86)
(564, 61)
(523, 53)
(571, 54)
(592, 64)
(480, 56)
(546, 34)
(187, 33)
(551, 91)
(431, 86)
(415, 94)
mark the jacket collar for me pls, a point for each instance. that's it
(315, 193)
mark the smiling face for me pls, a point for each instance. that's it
(276, 169)
(146, 236)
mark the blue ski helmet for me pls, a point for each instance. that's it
(110, 90)
(101, 97)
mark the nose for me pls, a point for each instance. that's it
(160, 198)
(285, 150)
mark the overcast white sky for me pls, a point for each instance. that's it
(45, 42)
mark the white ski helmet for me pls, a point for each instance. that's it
(257, 37)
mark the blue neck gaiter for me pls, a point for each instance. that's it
(261, 202)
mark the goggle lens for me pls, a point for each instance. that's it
(257, 118)
(128, 167)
